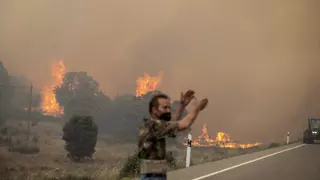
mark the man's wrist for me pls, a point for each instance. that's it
(181, 103)
(197, 109)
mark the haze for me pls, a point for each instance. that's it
(256, 60)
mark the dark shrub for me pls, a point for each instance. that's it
(80, 134)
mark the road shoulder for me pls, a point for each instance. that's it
(210, 167)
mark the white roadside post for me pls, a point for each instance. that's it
(288, 138)
(188, 150)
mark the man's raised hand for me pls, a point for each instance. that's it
(186, 98)
(200, 105)
(203, 104)
(188, 120)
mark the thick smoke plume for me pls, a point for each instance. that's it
(256, 61)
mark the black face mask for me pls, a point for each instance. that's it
(165, 116)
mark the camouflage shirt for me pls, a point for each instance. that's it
(152, 133)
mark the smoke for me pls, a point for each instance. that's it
(256, 61)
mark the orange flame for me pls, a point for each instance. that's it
(147, 83)
(49, 104)
(222, 140)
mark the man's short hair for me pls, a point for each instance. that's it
(154, 101)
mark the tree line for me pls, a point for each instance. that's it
(79, 94)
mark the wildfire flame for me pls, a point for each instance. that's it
(148, 83)
(49, 104)
(222, 140)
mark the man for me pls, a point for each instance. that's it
(152, 133)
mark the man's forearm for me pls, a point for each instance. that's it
(187, 121)
(177, 113)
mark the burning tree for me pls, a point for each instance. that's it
(49, 104)
(80, 92)
(147, 84)
(80, 134)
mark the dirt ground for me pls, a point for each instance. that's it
(108, 159)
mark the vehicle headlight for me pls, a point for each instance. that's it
(314, 132)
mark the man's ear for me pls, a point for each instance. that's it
(154, 109)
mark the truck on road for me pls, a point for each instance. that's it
(312, 133)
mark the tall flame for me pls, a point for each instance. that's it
(49, 104)
(148, 83)
(222, 140)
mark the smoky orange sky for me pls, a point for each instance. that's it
(256, 60)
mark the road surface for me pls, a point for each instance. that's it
(294, 162)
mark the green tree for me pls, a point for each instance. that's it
(80, 94)
(80, 134)
(76, 84)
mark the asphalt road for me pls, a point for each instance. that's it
(294, 162)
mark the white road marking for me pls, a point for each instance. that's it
(248, 162)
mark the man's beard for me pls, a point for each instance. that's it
(165, 116)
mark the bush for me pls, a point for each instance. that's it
(17, 139)
(22, 145)
(80, 134)
(172, 163)
(24, 149)
(131, 167)
(274, 145)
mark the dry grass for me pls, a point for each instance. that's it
(51, 160)
(51, 163)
